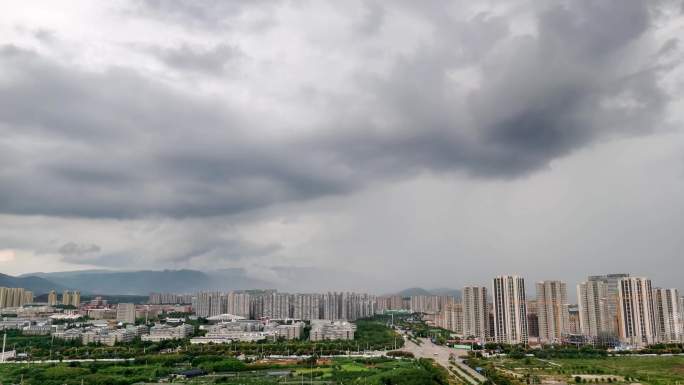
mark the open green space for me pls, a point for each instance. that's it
(647, 370)
(226, 370)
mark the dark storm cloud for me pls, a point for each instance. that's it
(132, 147)
(539, 99)
(117, 144)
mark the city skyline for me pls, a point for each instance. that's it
(357, 144)
(612, 310)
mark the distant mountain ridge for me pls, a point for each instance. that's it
(415, 291)
(144, 282)
(38, 285)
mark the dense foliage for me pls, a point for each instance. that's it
(152, 368)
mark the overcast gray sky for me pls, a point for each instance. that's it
(403, 143)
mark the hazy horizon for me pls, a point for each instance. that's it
(357, 143)
(318, 284)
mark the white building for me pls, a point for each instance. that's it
(69, 334)
(510, 310)
(106, 336)
(668, 315)
(166, 332)
(552, 311)
(637, 321)
(290, 331)
(592, 299)
(475, 314)
(331, 330)
(610, 282)
(226, 337)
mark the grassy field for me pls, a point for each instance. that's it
(648, 370)
(230, 371)
(655, 370)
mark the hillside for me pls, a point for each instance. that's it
(37, 285)
(145, 281)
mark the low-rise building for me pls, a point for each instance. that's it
(106, 336)
(331, 330)
(102, 313)
(36, 330)
(138, 330)
(69, 334)
(289, 331)
(166, 332)
(14, 323)
(228, 336)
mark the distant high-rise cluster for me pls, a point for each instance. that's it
(275, 305)
(71, 298)
(14, 297)
(425, 304)
(306, 306)
(52, 298)
(169, 299)
(451, 318)
(628, 309)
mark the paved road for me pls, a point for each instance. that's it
(441, 355)
(67, 361)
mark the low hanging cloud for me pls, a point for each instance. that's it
(78, 252)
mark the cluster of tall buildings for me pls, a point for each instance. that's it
(415, 303)
(69, 298)
(14, 297)
(613, 308)
(631, 308)
(274, 305)
(210, 304)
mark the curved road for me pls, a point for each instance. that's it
(441, 355)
